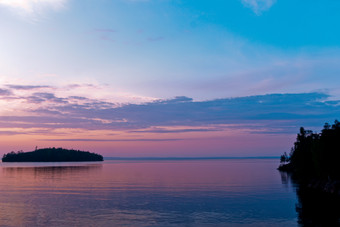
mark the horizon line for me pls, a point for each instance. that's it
(190, 158)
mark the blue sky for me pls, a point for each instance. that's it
(93, 60)
(162, 49)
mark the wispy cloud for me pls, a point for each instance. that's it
(5, 92)
(10, 133)
(105, 33)
(162, 130)
(272, 113)
(258, 6)
(111, 140)
(155, 39)
(27, 87)
(33, 7)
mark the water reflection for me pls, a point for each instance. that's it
(50, 171)
(314, 208)
(141, 193)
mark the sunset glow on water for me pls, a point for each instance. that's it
(234, 192)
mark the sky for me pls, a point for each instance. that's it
(167, 78)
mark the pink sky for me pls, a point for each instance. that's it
(166, 78)
(266, 125)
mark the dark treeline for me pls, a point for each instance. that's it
(315, 155)
(52, 155)
(313, 166)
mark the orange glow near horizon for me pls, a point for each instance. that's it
(229, 142)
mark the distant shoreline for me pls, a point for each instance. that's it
(187, 158)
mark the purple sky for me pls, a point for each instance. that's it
(167, 78)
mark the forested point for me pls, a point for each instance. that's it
(315, 155)
(52, 155)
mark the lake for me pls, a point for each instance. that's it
(225, 192)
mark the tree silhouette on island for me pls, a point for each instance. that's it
(52, 155)
(314, 158)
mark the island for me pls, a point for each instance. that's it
(314, 159)
(52, 155)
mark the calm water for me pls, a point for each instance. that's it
(233, 192)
